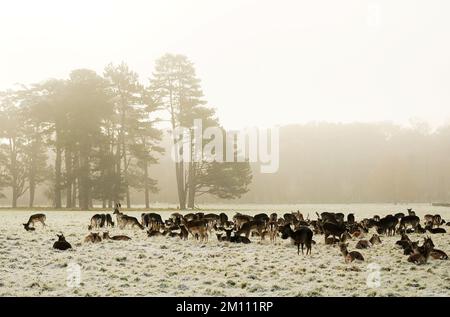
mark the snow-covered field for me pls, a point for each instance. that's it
(171, 267)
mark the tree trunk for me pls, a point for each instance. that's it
(146, 189)
(191, 186)
(32, 191)
(181, 186)
(84, 183)
(69, 176)
(58, 162)
(128, 197)
(14, 197)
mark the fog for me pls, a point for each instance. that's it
(359, 90)
(291, 61)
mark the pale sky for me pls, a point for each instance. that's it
(261, 62)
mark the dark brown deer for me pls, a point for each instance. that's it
(61, 244)
(350, 256)
(350, 219)
(387, 225)
(435, 230)
(151, 221)
(109, 221)
(362, 244)
(334, 230)
(302, 236)
(413, 221)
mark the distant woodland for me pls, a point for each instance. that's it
(94, 139)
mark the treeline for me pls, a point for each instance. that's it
(344, 163)
(358, 163)
(92, 138)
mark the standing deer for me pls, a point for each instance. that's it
(33, 220)
(302, 236)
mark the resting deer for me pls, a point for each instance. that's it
(93, 237)
(61, 244)
(435, 230)
(375, 239)
(345, 236)
(362, 244)
(421, 257)
(120, 237)
(438, 255)
(33, 220)
(350, 256)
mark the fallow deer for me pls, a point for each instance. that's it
(350, 256)
(116, 238)
(36, 218)
(61, 244)
(93, 237)
(301, 237)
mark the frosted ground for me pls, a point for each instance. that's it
(170, 267)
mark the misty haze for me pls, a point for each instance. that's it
(193, 138)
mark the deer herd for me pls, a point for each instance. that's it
(335, 228)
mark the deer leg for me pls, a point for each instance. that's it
(298, 248)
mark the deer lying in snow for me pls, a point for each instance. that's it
(423, 253)
(120, 237)
(430, 229)
(362, 244)
(438, 255)
(375, 239)
(33, 220)
(61, 244)
(93, 237)
(350, 256)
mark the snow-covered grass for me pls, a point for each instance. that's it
(170, 267)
